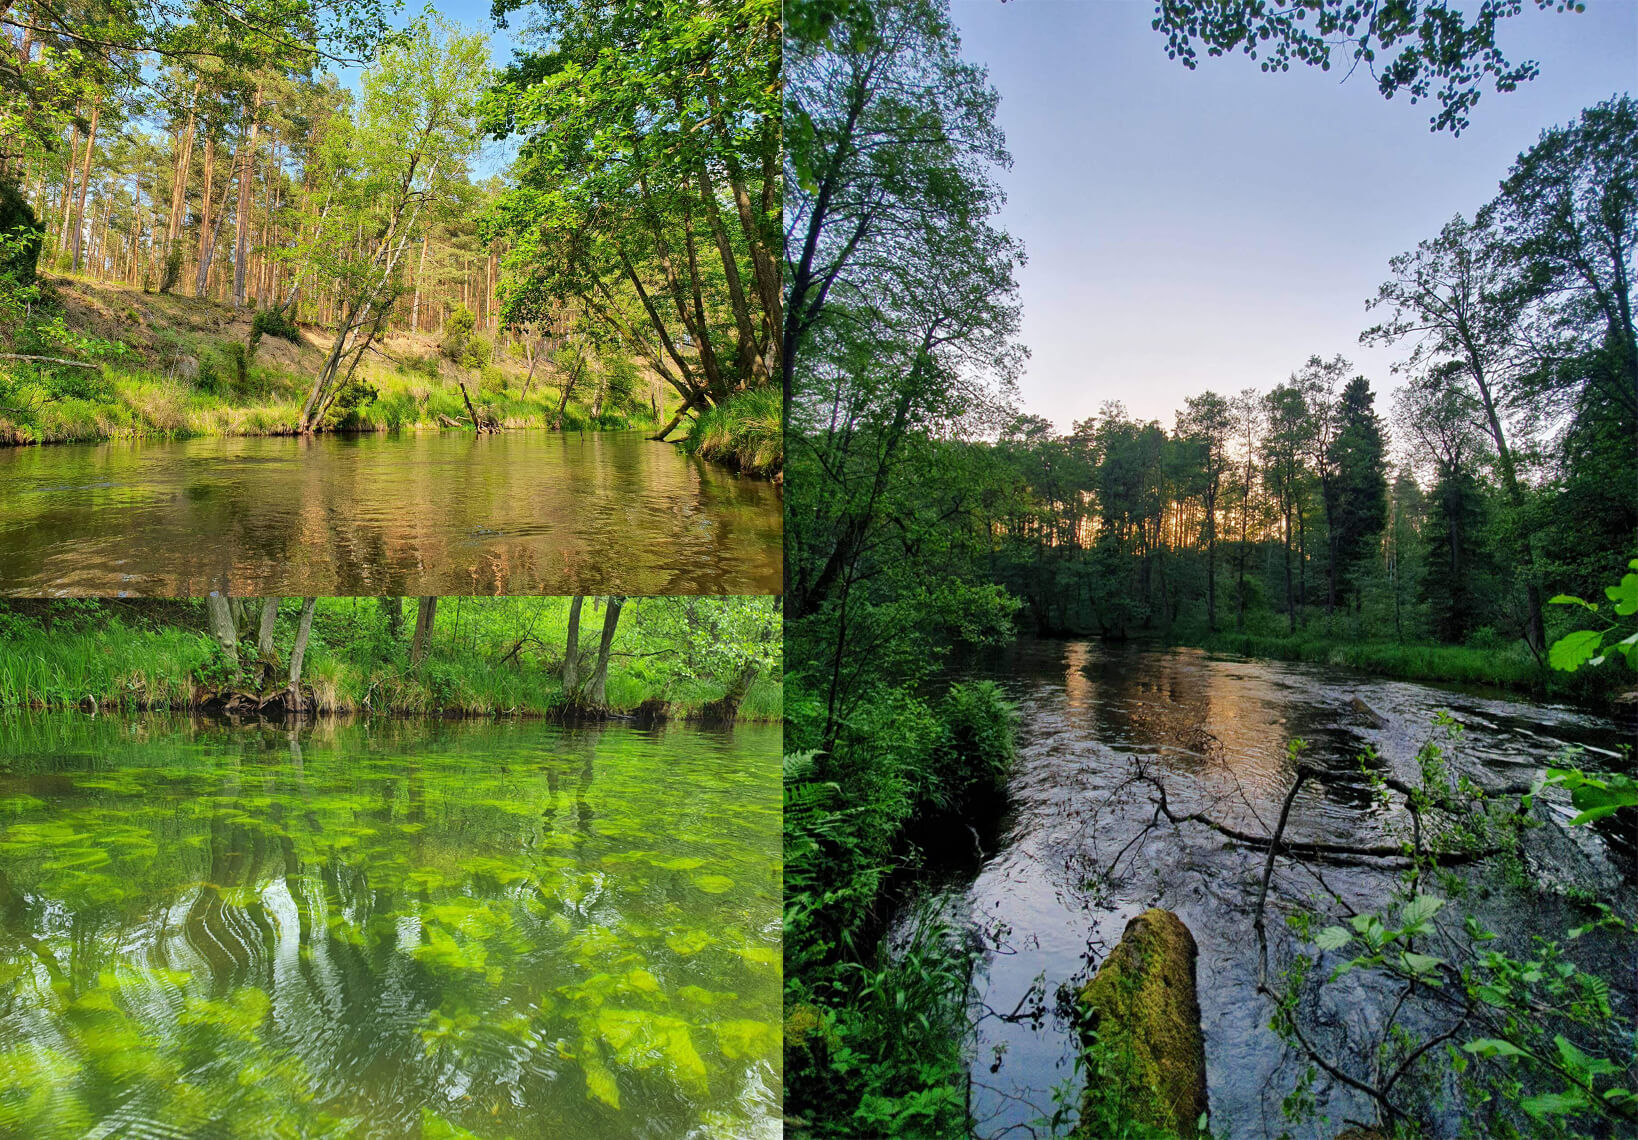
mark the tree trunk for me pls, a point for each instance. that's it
(68, 188)
(241, 228)
(421, 639)
(264, 635)
(298, 651)
(393, 608)
(420, 272)
(219, 616)
(611, 619)
(571, 650)
(85, 179)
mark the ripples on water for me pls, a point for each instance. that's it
(388, 931)
(413, 514)
(1215, 731)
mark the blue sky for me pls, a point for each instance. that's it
(1215, 228)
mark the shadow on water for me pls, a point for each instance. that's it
(1046, 905)
(388, 930)
(525, 512)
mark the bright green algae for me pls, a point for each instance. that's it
(387, 930)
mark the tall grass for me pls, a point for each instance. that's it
(352, 666)
(115, 665)
(746, 432)
(1509, 666)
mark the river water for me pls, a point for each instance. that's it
(1047, 907)
(528, 512)
(385, 930)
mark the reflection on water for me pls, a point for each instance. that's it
(415, 514)
(1215, 731)
(387, 931)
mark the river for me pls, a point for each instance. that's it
(1214, 731)
(388, 929)
(527, 512)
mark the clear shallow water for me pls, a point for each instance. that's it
(1215, 732)
(393, 930)
(526, 512)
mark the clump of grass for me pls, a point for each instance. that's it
(745, 432)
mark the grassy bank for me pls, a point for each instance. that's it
(486, 657)
(176, 366)
(746, 433)
(1509, 667)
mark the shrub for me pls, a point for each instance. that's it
(274, 322)
(492, 380)
(457, 329)
(475, 354)
(977, 750)
(346, 411)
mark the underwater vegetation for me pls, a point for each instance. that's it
(384, 930)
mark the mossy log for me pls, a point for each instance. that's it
(1142, 1009)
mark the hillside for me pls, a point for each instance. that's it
(175, 365)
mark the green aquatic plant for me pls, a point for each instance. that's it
(274, 932)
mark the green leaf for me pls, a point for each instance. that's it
(1421, 909)
(1570, 652)
(1598, 798)
(1422, 963)
(1493, 1047)
(1625, 595)
(1580, 1063)
(1333, 938)
(1554, 1104)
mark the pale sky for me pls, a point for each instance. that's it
(1215, 228)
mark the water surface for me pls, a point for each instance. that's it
(1049, 908)
(526, 512)
(388, 931)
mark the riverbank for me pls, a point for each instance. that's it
(1509, 666)
(746, 433)
(145, 658)
(169, 367)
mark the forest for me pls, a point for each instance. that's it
(274, 218)
(717, 659)
(1474, 529)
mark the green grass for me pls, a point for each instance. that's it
(135, 658)
(139, 403)
(746, 433)
(175, 367)
(1509, 666)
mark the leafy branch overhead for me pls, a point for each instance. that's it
(1429, 49)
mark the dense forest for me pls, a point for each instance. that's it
(716, 659)
(928, 513)
(321, 174)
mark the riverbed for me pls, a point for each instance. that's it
(1047, 908)
(388, 929)
(417, 514)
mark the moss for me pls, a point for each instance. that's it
(1142, 1008)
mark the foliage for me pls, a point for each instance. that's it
(458, 328)
(746, 432)
(648, 182)
(486, 656)
(1429, 48)
(274, 322)
(1530, 1038)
